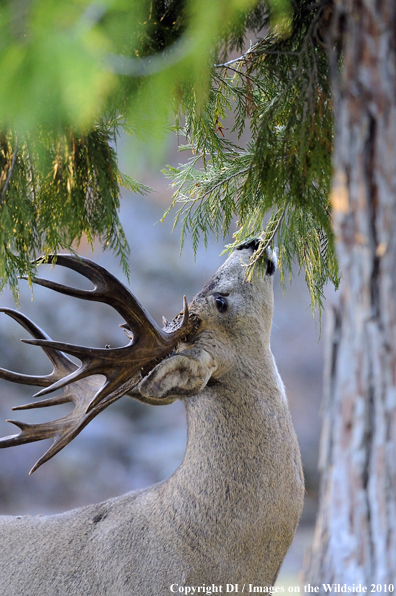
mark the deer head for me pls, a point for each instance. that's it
(233, 314)
(157, 365)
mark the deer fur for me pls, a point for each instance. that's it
(228, 514)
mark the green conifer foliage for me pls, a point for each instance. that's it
(55, 188)
(277, 188)
(74, 75)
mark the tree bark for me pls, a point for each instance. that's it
(355, 536)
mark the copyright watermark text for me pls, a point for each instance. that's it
(210, 589)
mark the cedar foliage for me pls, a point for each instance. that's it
(59, 177)
(277, 187)
(55, 189)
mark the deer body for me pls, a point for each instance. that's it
(229, 512)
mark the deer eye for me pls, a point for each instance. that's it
(221, 303)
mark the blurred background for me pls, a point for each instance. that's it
(131, 445)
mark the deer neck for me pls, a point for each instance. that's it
(235, 428)
(237, 484)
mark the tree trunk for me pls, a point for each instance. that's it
(355, 537)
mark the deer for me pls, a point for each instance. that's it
(229, 512)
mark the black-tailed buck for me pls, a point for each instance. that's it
(229, 512)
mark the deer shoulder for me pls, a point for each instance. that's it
(229, 512)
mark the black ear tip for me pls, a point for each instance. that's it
(272, 255)
(272, 261)
(271, 267)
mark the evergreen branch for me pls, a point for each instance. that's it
(277, 226)
(280, 87)
(240, 59)
(58, 188)
(222, 182)
(244, 58)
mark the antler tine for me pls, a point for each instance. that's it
(29, 433)
(121, 362)
(94, 361)
(37, 432)
(44, 403)
(61, 364)
(185, 313)
(63, 430)
(107, 289)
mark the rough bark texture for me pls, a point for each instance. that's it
(355, 539)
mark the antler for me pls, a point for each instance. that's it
(122, 368)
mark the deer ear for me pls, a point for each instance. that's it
(180, 375)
